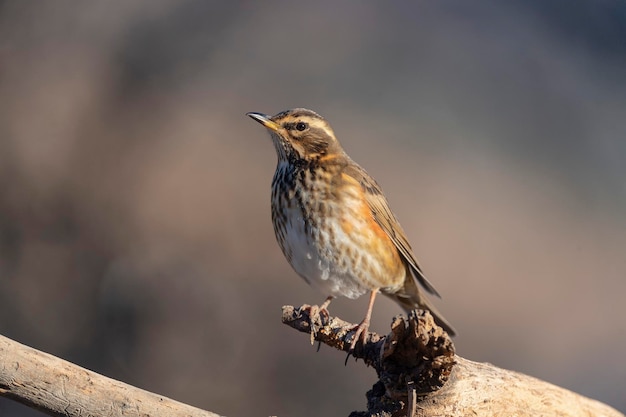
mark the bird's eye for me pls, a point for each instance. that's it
(301, 126)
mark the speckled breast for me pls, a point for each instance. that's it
(327, 233)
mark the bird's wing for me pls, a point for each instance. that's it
(387, 221)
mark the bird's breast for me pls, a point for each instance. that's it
(327, 233)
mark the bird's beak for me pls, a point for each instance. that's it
(264, 119)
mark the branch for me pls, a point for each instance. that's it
(419, 374)
(60, 388)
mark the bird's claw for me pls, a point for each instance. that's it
(318, 318)
(360, 333)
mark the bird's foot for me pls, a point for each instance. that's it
(360, 333)
(318, 318)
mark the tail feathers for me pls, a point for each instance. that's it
(419, 275)
(415, 301)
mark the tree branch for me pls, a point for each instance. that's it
(60, 388)
(420, 375)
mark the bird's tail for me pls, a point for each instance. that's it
(410, 298)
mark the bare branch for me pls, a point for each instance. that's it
(419, 374)
(60, 388)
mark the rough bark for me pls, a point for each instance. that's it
(420, 375)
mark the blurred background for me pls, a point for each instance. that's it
(135, 231)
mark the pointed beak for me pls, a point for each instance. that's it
(264, 119)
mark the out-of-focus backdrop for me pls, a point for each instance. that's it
(135, 232)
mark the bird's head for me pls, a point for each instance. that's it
(299, 134)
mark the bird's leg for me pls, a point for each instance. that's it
(360, 331)
(324, 307)
(317, 316)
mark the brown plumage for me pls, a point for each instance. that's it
(333, 223)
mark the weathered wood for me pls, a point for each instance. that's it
(420, 374)
(482, 389)
(60, 388)
(418, 370)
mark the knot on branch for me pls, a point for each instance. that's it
(416, 351)
(414, 359)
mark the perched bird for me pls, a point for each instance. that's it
(333, 223)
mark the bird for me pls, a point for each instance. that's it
(333, 223)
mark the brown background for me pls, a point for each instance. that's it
(135, 235)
